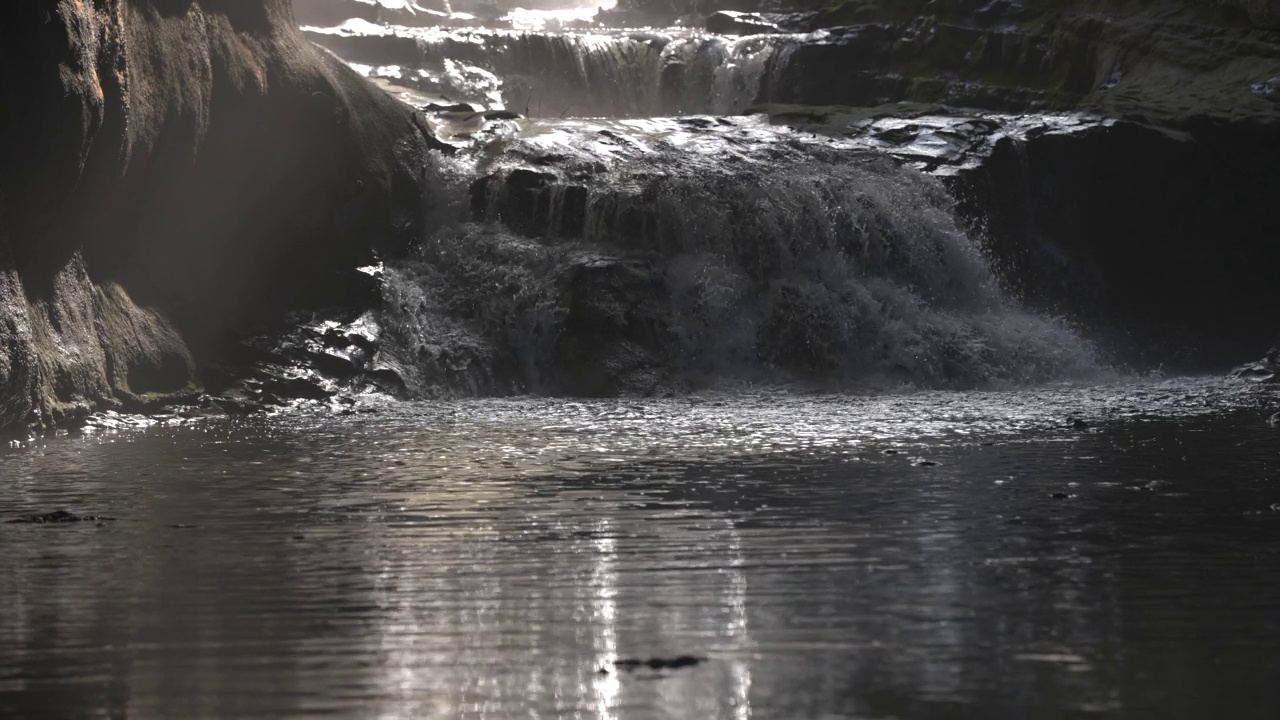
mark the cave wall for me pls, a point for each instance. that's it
(174, 169)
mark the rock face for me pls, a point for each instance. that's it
(1161, 239)
(170, 170)
(399, 12)
(1157, 222)
(1165, 62)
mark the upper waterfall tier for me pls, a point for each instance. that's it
(569, 74)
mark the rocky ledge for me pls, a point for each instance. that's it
(1160, 240)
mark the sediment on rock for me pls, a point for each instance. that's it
(172, 170)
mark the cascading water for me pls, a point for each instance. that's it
(617, 73)
(641, 256)
(651, 255)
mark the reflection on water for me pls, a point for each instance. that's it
(491, 558)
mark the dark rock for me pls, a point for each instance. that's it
(1078, 424)
(674, 663)
(1269, 89)
(412, 14)
(237, 406)
(335, 364)
(334, 12)
(387, 379)
(199, 167)
(1266, 370)
(1069, 215)
(327, 13)
(1255, 372)
(1194, 57)
(728, 22)
(59, 516)
(306, 388)
(381, 47)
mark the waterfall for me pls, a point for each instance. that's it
(643, 256)
(574, 74)
(657, 249)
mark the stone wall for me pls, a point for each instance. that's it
(172, 170)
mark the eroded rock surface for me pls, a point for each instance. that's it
(1161, 240)
(172, 170)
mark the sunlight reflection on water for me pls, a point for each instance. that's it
(490, 558)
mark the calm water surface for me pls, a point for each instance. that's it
(918, 555)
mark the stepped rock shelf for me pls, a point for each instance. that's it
(1151, 226)
(200, 207)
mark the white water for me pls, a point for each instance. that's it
(677, 253)
(661, 255)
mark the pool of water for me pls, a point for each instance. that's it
(906, 555)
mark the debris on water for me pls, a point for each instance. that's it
(1078, 424)
(1061, 496)
(675, 663)
(1274, 420)
(923, 462)
(891, 451)
(59, 516)
(181, 526)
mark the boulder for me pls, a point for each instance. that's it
(170, 170)
(729, 22)
(327, 13)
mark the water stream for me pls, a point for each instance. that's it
(953, 554)
(835, 467)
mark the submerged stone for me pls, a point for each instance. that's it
(658, 663)
(59, 516)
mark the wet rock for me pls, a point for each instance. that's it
(407, 13)
(728, 22)
(1078, 424)
(1255, 372)
(413, 14)
(535, 202)
(306, 388)
(368, 44)
(153, 228)
(1266, 370)
(387, 379)
(334, 12)
(338, 365)
(657, 663)
(1268, 90)
(59, 516)
(237, 405)
(1180, 60)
